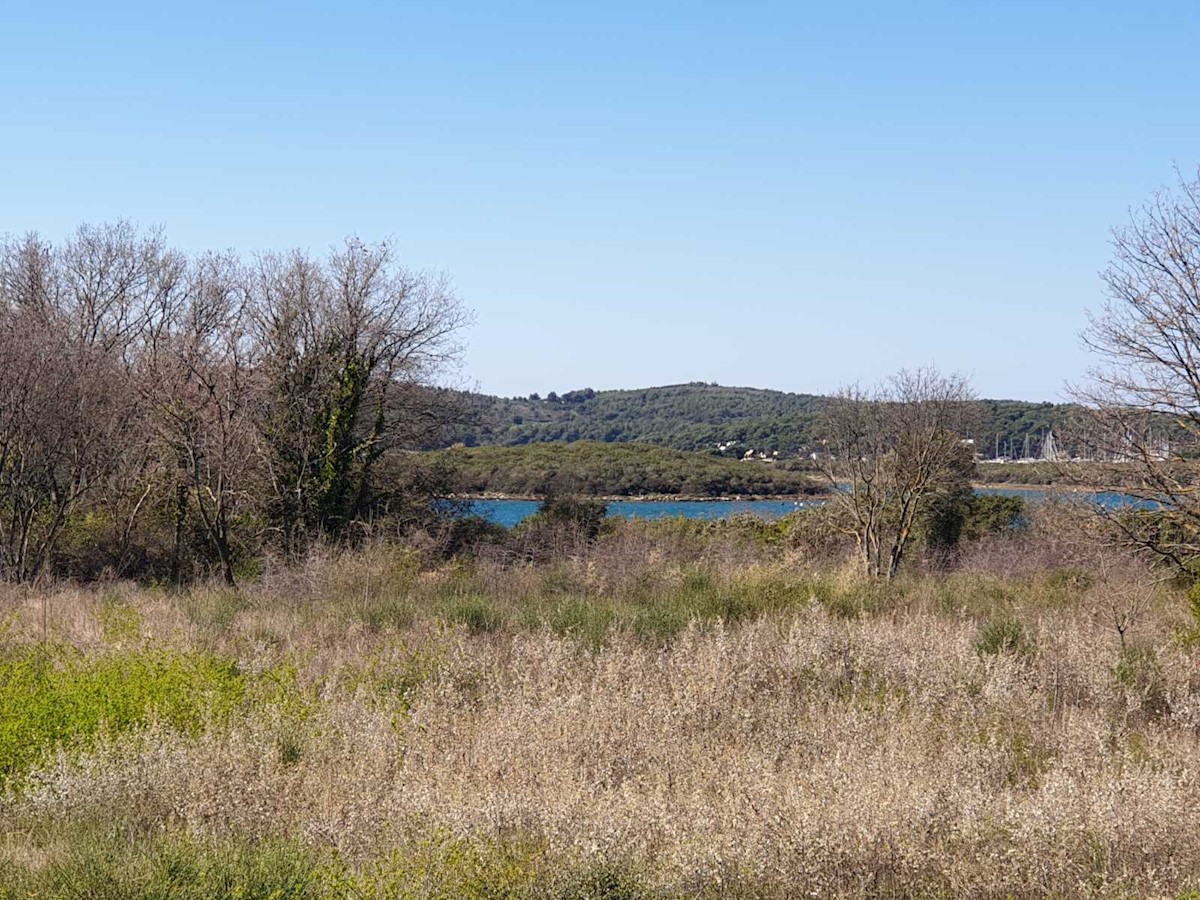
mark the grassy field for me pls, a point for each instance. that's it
(673, 711)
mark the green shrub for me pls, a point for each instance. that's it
(1004, 635)
(584, 620)
(993, 514)
(464, 535)
(560, 521)
(55, 697)
(477, 614)
(1189, 635)
(102, 863)
(1139, 677)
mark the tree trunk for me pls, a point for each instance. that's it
(180, 521)
(221, 539)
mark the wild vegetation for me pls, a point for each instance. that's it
(892, 456)
(672, 709)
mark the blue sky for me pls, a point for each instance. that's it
(793, 195)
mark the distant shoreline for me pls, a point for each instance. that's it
(1048, 488)
(781, 498)
(652, 498)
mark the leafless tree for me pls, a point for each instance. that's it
(886, 452)
(201, 387)
(1143, 399)
(45, 392)
(68, 319)
(139, 382)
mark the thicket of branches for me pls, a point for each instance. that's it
(893, 455)
(1143, 399)
(162, 412)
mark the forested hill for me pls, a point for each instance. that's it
(700, 416)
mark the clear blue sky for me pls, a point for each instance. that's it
(792, 195)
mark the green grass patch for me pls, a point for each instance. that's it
(103, 863)
(1003, 636)
(584, 620)
(120, 623)
(396, 678)
(53, 697)
(480, 616)
(446, 867)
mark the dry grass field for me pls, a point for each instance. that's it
(661, 715)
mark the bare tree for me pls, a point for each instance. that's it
(345, 342)
(140, 384)
(1143, 400)
(68, 319)
(50, 393)
(887, 451)
(200, 382)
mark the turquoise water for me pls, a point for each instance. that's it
(509, 512)
(1108, 499)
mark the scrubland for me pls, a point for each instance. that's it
(670, 711)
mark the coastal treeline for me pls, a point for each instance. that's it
(617, 470)
(1118, 475)
(162, 411)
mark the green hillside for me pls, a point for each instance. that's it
(702, 417)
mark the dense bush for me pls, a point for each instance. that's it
(562, 525)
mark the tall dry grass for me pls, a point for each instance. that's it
(782, 730)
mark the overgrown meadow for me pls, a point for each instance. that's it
(666, 710)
